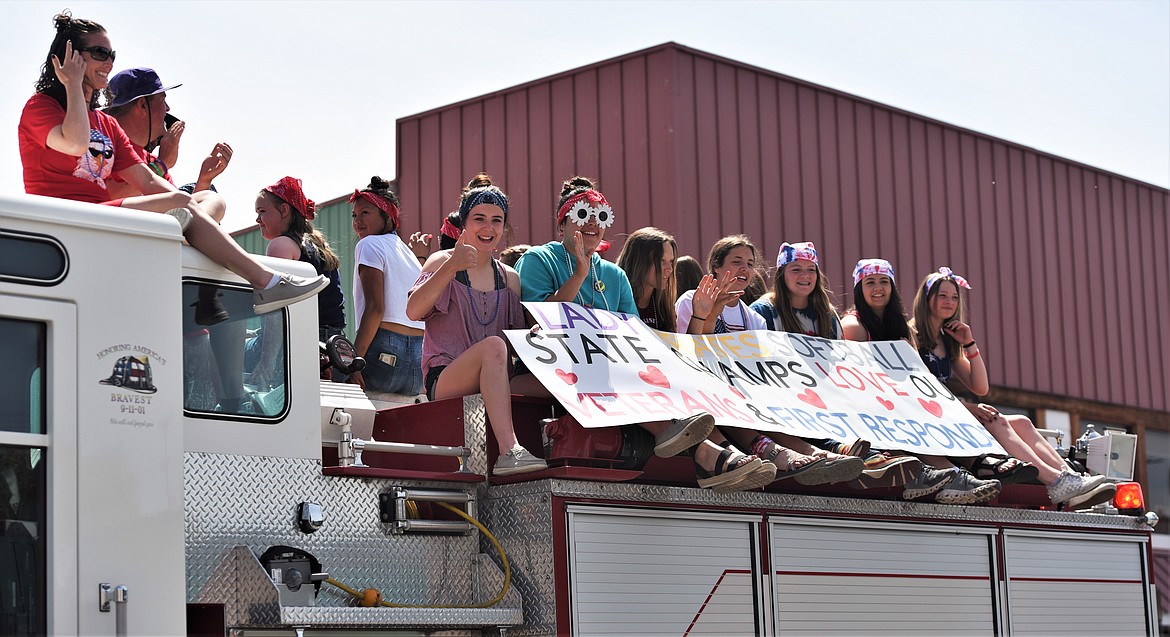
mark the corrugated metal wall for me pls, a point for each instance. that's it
(1066, 260)
(334, 221)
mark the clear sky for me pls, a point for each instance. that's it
(312, 89)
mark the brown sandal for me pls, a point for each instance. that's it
(731, 465)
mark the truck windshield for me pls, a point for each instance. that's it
(235, 363)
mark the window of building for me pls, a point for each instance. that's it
(235, 363)
(1157, 487)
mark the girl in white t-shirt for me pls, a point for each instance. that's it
(385, 269)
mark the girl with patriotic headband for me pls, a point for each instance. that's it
(799, 301)
(877, 315)
(385, 266)
(467, 299)
(941, 332)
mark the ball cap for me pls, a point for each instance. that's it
(131, 84)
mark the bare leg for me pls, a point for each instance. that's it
(706, 453)
(483, 368)
(227, 342)
(527, 385)
(212, 204)
(1028, 433)
(206, 236)
(787, 459)
(1016, 447)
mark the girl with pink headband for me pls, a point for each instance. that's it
(947, 345)
(386, 337)
(877, 315)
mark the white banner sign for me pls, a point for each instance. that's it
(609, 369)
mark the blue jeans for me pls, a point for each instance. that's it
(394, 363)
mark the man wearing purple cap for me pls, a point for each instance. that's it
(140, 106)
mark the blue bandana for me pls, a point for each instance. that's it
(486, 194)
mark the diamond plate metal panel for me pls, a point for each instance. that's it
(475, 434)
(240, 583)
(521, 517)
(251, 501)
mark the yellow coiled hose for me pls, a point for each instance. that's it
(371, 597)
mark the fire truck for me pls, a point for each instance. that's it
(159, 478)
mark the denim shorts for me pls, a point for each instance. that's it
(394, 363)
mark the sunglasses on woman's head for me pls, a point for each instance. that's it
(100, 53)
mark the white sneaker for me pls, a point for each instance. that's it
(518, 460)
(1079, 491)
(287, 291)
(182, 215)
(1103, 492)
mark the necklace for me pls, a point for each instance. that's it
(652, 307)
(471, 299)
(598, 285)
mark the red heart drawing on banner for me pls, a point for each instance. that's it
(811, 397)
(654, 376)
(737, 392)
(933, 407)
(886, 403)
(569, 377)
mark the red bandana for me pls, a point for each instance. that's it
(449, 229)
(289, 190)
(385, 206)
(595, 199)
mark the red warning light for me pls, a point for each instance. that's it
(1129, 497)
